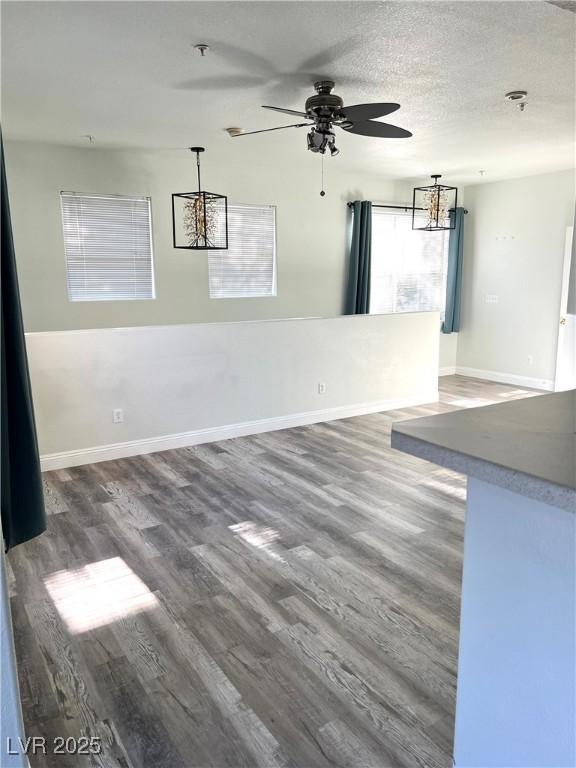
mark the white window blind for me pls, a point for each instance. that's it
(408, 271)
(248, 268)
(108, 243)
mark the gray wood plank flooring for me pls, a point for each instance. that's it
(287, 600)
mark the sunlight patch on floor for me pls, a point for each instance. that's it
(472, 402)
(447, 488)
(519, 393)
(258, 536)
(98, 594)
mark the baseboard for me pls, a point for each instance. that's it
(99, 453)
(448, 370)
(506, 378)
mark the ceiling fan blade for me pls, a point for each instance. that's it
(266, 130)
(324, 60)
(286, 111)
(297, 85)
(227, 82)
(381, 130)
(357, 113)
(242, 59)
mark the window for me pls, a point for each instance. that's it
(248, 268)
(108, 242)
(408, 267)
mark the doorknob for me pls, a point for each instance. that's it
(562, 321)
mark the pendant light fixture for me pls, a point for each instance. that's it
(433, 206)
(199, 219)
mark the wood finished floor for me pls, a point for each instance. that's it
(288, 599)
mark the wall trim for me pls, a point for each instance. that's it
(113, 451)
(447, 370)
(506, 378)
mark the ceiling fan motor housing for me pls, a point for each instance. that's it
(324, 105)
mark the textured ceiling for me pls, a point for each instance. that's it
(126, 73)
(567, 5)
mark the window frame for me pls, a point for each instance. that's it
(110, 196)
(405, 211)
(274, 285)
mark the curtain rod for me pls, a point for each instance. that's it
(399, 207)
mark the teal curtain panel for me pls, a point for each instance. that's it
(451, 322)
(360, 256)
(23, 515)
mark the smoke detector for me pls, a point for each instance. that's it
(518, 98)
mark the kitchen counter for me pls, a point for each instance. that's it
(527, 446)
(516, 699)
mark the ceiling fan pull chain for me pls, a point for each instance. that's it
(322, 193)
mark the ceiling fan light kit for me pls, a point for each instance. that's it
(199, 219)
(325, 111)
(433, 206)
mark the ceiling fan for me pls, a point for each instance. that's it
(326, 110)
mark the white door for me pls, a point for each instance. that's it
(566, 351)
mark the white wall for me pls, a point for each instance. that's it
(180, 385)
(448, 353)
(312, 232)
(514, 248)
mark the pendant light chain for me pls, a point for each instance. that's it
(198, 169)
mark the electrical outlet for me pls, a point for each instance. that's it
(117, 416)
(491, 298)
(321, 388)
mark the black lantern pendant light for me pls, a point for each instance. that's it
(433, 207)
(199, 219)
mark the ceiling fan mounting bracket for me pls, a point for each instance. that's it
(324, 86)
(202, 48)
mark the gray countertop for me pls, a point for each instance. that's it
(527, 446)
